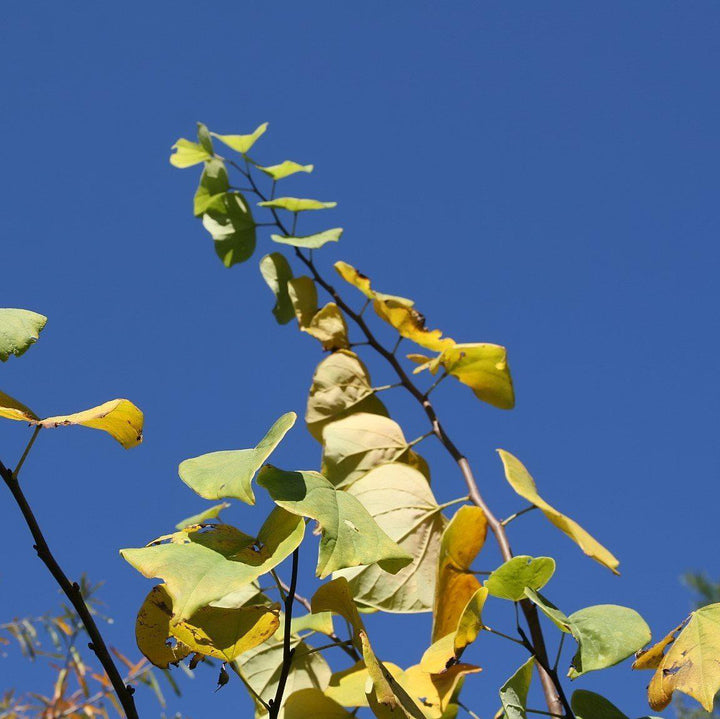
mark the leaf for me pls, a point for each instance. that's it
(210, 513)
(310, 242)
(204, 139)
(509, 580)
(202, 566)
(321, 622)
(120, 418)
(350, 536)
(261, 667)
(521, 481)
(18, 330)
(326, 325)
(400, 500)
(214, 183)
(188, 154)
(230, 473)
(296, 204)
(606, 634)
(484, 368)
(461, 541)
(434, 692)
(152, 630)
(242, 143)
(312, 702)
(514, 693)
(589, 705)
(398, 312)
(340, 387)
(446, 651)
(354, 445)
(277, 273)
(285, 169)
(691, 665)
(232, 228)
(335, 597)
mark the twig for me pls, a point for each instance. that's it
(35, 433)
(504, 636)
(509, 519)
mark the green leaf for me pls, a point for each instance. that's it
(296, 204)
(188, 154)
(204, 138)
(202, 566)
(232, 228)
(261, 667)
(589, 705)
(214, 183)
(400, 500)
(341, 386)
(210, 513)
(285, 169)
(350, 536)
(514, 693)
(311, 242)
(509, 580)
(606, 634)
(691, 665)
(18, 330)
(356, 444)
(277, 273)
(242, 143)
(522, 482)
(219, 475)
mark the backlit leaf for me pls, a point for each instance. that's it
(152, 630)
(521, 481)
(341, 386)
(589, 705)
(691, 664)
(120, 418)
(354, 445)
(214, 183)
(297, 204)
(229, 473)
(277, 273)
(434, 692)
(285, 169)
(188, 153)
(310, 242)
(350, 536)
(509, 580)
(327, 324)
(242, 143)
(207, 564)
(335, 597)
(514, 693)
(400, 500)
(313, 703)
(210, 513)
(204, 139)
(18, 330)
(461, 541)
(232, 228)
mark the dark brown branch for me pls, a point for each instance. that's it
(72, 592)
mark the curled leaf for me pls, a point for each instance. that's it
(297, 204)
(310, 242)
(327, 324)
(276, 272)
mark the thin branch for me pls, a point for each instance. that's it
(434, 385)
(72, 592)
(419, 439)
(512, 517)
(281, 587)
(385, 387)
(544, 713)
(469, 711)
(397, 344)
(328, 646)
(249, 687)
(504, 636)
(30, 444)
(559, 651)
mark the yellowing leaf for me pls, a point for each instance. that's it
(230, 473)
(310, 242)
(18, 330)
(350, 536)
(326, 325)
(242, 143)
(204, 565)
(433, 692)
(188, 154)
(296, 204)
(10, 408)
(210, 513)
(483, 368)
(461, 541)
(341, 386)
(400, 500)
(277, 273)
(652, 657)
(311, 702)
(398, 312)
(152, 630)
(691, 665)
(521, 481)
(354, 445)
(335, 597)
(285, 169)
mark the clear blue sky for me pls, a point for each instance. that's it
(542, 175)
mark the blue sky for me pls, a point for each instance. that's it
(541, 175)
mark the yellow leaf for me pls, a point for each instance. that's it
(521, 481)
(188, 154)
(461, 541)
(120, 418)
(297, 204)
(691, 664)
(242, 143)
(311, 702)
(152, 630)
(434, 691)
(327, 325)
(651, 658)
(335, 597)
